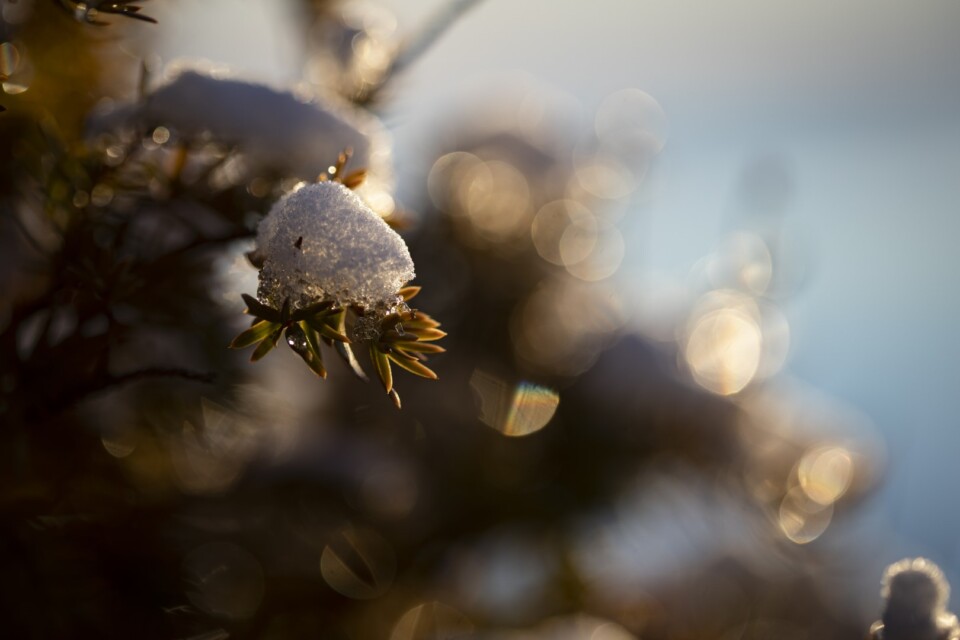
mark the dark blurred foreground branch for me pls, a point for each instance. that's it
(111, 381)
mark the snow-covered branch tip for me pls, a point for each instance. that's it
(915, 594)
(333, 272)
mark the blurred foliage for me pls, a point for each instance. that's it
(155, 486)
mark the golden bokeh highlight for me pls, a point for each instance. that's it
(743, 262)
(723, 350)
(633, 118)
(603, 176)
(446, 172)
(358, 564)
(604, 260)
(355, 48)
(9, 59)
(513, 410)
(161, 135)
(377, 194)
(564, 232)
(492, 198)
(801, 519)
(120, 443)
(102, 195)
(564, 324)
(825, 474)
(373, 57)
(496, 197)
(373, 46)
(431, 621)
(491, 201)
(733, 339)
(14, 73)
(209, 458)
(611, 631)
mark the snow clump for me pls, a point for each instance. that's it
(322, 242)
(275, 131)
(916, 595)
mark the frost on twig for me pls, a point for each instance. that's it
(322, 242)
(915, 592)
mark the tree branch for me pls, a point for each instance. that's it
(110, 381)
(419, 44)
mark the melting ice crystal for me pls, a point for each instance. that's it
(322, 242)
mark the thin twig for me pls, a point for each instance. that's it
(111, 381)
(161, 372)
(435, 27)
(243, 234)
